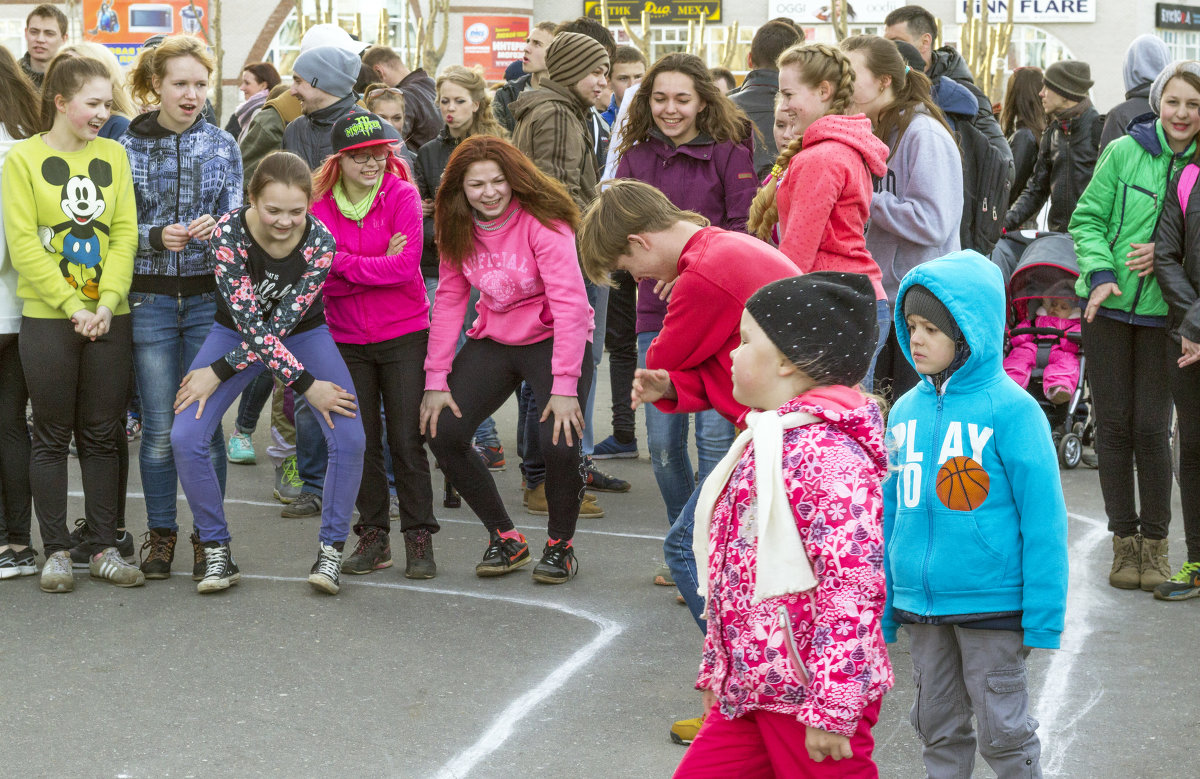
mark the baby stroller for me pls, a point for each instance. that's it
(1047, 268)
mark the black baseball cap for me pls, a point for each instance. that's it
(358, 129)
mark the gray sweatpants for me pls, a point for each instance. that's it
(959, 672)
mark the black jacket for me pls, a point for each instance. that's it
(504, 96)
(431, 163)
(756, 96)
(1024, 145)
(1066, 158)
(947, 62)
(1116, 123)
(422, 119)
(1177, 262)
(310, 136)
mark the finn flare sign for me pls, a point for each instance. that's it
(1032, 11)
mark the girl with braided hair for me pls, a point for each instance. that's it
(819, 191)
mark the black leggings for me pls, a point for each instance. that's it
(484, 374)
(1185, 388)
(1133, 411)
(72, 389)
(620, 339)
(14, 445)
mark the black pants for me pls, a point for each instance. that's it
(392, 372)
(1125, 365)
(1185, 389)
(81, 386)
(484, 374)
(620, 339)
(14, 445)
(894, 374)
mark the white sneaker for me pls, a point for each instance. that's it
(326, 571)
(110, 566)
(56, 573)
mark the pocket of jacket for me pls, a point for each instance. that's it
(789, 643)
(1009, 724)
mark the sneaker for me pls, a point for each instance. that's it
(14, 564)
(56, 573)
(305, 505)
(663, 577)
(220, 571)
(373, 553)
(241, 449)
(133, 427)
(535, 503)
(324, 574)
(558, 563)
(81, 555)
(287, 481)
(611, 449)
(110, 566)
(1181, 586)
(199, 559)
(1155, 568)
(492, 456)
(1126, 573)
(156, 563)
(393, 508)
(418, 555)
(503, 555)
(684, 731)
(598, 480)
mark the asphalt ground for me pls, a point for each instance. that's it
(460, 676)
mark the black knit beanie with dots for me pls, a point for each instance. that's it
(823, 322)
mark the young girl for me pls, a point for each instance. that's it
(1061, 375)
(917, 205)
(688, 140)
(1125, 323)
(271, 260)
(789, 546)
(508, 230)
(187, 173)
(388, 104)
(1023, 119)
(378, 316)
(17, 557)
(122, 108)
(71, 223)
(823, 204)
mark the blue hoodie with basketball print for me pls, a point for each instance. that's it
(1002, 548)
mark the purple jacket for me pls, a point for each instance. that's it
(713, 179)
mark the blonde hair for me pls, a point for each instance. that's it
(152, 62)
(122, 102)
(815, 63)
(471, 79)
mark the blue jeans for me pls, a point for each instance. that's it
(883, 315)
(667, 441)
(311, 455)
(677, 549)
(486, 435)
(167, 334)
(253, 400)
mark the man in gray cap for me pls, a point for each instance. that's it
(1068, 150)
(323, 81)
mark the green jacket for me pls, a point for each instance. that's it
(1119, 207)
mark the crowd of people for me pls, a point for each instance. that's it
(792, 268)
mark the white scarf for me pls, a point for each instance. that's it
(783, 566)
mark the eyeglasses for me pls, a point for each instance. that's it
(380, 154)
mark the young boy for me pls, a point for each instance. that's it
(975, 527)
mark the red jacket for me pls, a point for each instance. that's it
(718, 272)
(825, 198)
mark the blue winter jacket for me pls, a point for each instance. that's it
(176, 178)
(1010, 552)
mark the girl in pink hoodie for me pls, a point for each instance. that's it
(508, 230)
(823, 203)
(378, 315)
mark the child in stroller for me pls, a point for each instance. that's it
(1059, 314)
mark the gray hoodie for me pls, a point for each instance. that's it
(1144, 60)
(917, 206)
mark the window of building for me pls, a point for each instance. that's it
(1184, 45)
(363, 23)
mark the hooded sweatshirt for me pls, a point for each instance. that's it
(917, 207)
(1008, 554)
(551, 129)
(1145, 58)
(825, 198)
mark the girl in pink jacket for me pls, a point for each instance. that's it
(789, 546)
(378, 315)
(508, 230)
(1059, 311)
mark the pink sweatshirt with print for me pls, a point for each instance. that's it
(530, 289)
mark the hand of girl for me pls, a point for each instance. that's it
(427, 207)
(100, 323)
(397, 244)
(567, 416)
(1098, 296)
(663, 289)
(432, 403)
(822, 744)
(649, 386)
(197, 385)
(1141, 259)
(326, 397)
(1191, 353)
(82, 319)
(175, 237)
(202, 227)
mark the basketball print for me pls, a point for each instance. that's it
(962, 484)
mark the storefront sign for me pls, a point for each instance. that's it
(667, 12)
(1033, 11)
(124, 25)
(492, 42)
(820, 11)
(1176, 17)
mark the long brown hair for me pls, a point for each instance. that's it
(910, 88)
(720, 120)
(1022, 106)
(544, 198)
(20, 100)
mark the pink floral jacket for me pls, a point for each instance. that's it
(818, 655)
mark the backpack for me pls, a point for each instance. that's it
(1187, 180)
(987, 181)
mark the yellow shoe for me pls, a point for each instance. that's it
(684, 731)
(535, 503)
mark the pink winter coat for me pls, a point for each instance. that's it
(818, 655)
(370, 296)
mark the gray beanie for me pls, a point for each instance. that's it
(571, 56)
(1168, 73)
(920, 301)
(328, 69)
(1070, 78)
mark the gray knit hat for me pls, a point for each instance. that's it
(328, 69)
(920, 301)
(571, 56)
(1070, 78)
(1168, 73)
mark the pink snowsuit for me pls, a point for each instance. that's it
(1062, 370)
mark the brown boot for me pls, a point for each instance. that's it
(1154, 565)
(1126, 571)
(535, 503)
